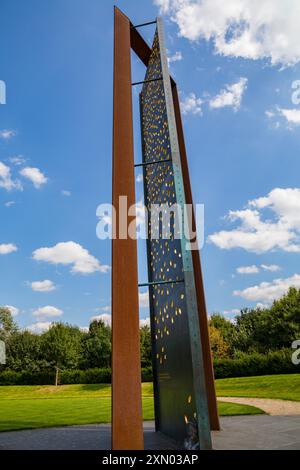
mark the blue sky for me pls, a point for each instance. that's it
(242, 135)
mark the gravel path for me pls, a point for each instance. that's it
(270, 406)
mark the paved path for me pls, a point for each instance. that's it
(238, 432)
(270, 406)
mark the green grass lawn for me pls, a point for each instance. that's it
(284, 387)
(29, 407)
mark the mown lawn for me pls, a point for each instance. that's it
(29, 407)
(284, 387)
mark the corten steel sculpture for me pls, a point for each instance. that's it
(184, 391)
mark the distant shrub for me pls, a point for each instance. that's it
(10, 377)
(246, 365)
(66, 377)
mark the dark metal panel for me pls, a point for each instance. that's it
(127, 429)
(208, 365)
(174, 373)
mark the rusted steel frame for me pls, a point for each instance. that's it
(208, 365)
(127, 420)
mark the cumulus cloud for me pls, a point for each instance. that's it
(144, 299)
(105, 317)
(247, 269)
(47, 311)
(257, 232)
(9, 203)
(139, 178)
(144, 322)
(35, 176)
(190, 104)
(290, 117)
(256, 269)
(7, 134)
(251, 29)
(234, 311)
(70, 253)
(271, 267)
(6, 180)
(231, 96)
(17, 160)
(39, 327)
(177, 57)
(269, 291)
(13, 310)
(42, 286)
(7, 248)
(66, 193)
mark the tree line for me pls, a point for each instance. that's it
(64, 346)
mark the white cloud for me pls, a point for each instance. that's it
(70, 253)
(248, 269)
(47, 311)
(190, 104)
(9, 203)
(144, 322)
(66, 193)
(13, 310)
(43, 286)
(256, 232)
(234, 311)
(271, 267)
(39, 327)
(84, 329)
(269, 291)
(35, 176)
(144, 299)
(291, 117)
(7, 134)
(261, 306)
(177, 57)
(105, 317)
(251, 29)
(106, 309)
(139, 178)
(7, 248)
(17, 160)
(6, 180)
(231, 96)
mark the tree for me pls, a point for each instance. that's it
(226, 328)
(145, 341)
(7, 324)
(61, 347)
(97, 346)
(219, 347)
(24, 352)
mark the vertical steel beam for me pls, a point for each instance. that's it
(127, 421)
(208, 365)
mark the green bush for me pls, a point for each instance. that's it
(246, 365)
(10, 377)
(89, 376)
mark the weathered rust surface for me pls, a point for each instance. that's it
(139, 46)
(208, 365)
(127, 421)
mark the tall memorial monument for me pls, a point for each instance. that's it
(184, 392)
